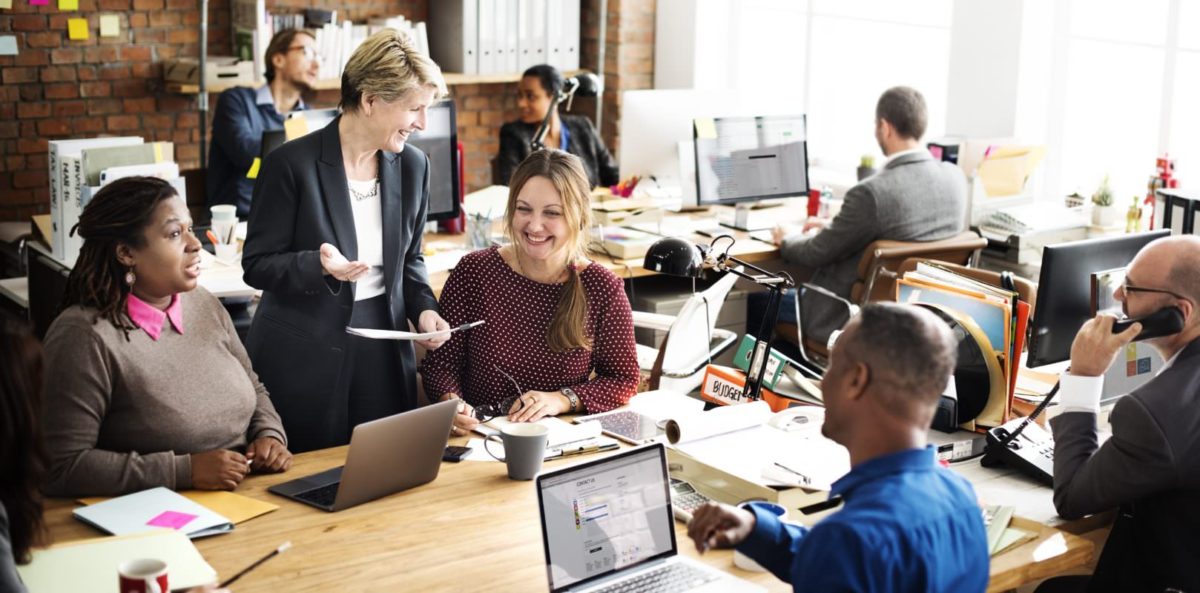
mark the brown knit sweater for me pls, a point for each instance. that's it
(124, 415)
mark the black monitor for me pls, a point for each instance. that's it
(740, 160)
(1064, 298)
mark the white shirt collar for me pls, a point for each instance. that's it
(897, 155)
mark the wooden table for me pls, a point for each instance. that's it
(471, 528)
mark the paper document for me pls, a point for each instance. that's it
(387, 334)
(90, 565)
(235, 507)
(561, 432)
(151, 509)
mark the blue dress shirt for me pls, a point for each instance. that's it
(906, 524)
(241, 117)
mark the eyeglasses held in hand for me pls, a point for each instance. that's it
(487, 412)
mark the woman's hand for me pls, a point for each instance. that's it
(535, 405)
(268, 454)
(431, 321)
(335, 264)
(464, 420)
(218, 470)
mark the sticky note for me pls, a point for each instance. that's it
(8, 45)
(706, 128)
(253, 172)
(110, 25)
(171, 519)
(295, 128)
(68, 4)
(77, 29)
(5, 3)
(38, 2)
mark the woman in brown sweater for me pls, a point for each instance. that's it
(148, 384)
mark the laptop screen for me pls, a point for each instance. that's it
(605, 516)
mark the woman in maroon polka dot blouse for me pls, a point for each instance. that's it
(558, 325)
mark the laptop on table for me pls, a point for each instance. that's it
(386, 456)
(607, 526)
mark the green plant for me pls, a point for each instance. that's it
(866, 161)
(1104, 195)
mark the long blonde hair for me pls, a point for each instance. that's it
(568, 327)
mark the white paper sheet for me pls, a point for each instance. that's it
(561, 432)
(387, 334)
(693, 427)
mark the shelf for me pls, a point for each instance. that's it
(452, 79)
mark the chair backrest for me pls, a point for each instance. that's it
(47, 285)
(687, 340)
(881, 259)
(1026, 289)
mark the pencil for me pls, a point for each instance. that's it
(281, 549)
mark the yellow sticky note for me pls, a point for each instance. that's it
(706, 128)
(6, 4)
(77, 29)
(68, 4)
(253, 172)
(110, 25)
(158, 150)
(295, 128)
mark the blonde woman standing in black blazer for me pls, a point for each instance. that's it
(335, 240)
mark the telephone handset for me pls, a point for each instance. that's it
(1163, 322)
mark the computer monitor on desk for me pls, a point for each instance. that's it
(743, 160)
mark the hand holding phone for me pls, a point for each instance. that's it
(1163, 322)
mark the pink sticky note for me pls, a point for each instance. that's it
(38, 2)
(171, 519)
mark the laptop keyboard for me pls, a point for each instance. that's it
(678, 576)
(323, 496)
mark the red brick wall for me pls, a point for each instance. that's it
(57, 88)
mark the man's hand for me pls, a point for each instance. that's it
(267, 454)
(464, 419)
(431, 321)
(335, 264)
(1095, 345)
(218, 470)
(716, 525)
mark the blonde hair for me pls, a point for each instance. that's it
(565, 172)
(387, 65)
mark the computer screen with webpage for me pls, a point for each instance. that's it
(606, 516)
(740, 159)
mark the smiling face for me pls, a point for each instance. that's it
(539, 222)
(168, 261)
(532, 100)
(394, 121)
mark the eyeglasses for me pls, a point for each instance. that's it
(1125, 289)
(487, 412)
(310, 52)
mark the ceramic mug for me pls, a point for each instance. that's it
(524, 449)
(144, 575)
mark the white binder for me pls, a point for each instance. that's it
(455, 41)
(488, 44)
(507, 33)
(569, 36)
(532, 35)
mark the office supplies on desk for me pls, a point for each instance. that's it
(153, 509)
(91, 564)
(285, 546)
(235, 507)
(385, 334)
(640, 421)
(608, 524)
(373, 468)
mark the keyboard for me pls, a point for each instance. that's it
(323, 496)
(677, 576)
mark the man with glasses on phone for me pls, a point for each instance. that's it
(243, 114)
(1150, 468)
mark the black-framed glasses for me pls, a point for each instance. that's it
(1125, 288)
(487, 412)
(310, 52)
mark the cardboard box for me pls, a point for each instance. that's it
(225, 71)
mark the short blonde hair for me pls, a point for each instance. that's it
(565, 172)
(387, 65)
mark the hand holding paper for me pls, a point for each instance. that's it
(431, 322)
(387, 334)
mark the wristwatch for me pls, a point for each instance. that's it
(572, 398)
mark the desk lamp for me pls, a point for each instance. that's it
(584, 84)
(679, 257)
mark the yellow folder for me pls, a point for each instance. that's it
(235, 507)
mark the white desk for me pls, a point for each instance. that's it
(16, 290)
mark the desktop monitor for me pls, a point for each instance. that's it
(1064, 297)
(740, 160)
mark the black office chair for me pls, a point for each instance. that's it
(47, 285)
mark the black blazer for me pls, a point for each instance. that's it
(297, 340)
(1151, 469)
(583, 143)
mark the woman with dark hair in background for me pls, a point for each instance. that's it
(571, 133)
(149, 384)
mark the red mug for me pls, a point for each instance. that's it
(814, 201)
(144, 575)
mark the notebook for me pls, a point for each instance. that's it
(156, 508)
(91, 565)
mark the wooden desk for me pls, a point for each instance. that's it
(469, 529)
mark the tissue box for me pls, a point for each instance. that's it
(225, 71)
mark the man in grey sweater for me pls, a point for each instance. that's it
(914, 198)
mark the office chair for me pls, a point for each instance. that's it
(47, 285)
(692, 339)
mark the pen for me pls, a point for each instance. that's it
(803, 478)
(212, 236)
(281, 549)
(469, 325)
(588, 449)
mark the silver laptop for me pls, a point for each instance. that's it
(607, 526)
(386, 456)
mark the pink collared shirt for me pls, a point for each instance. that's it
(152, 320)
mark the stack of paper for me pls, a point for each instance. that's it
(1001, 535)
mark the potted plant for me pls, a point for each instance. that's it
(1104, 212)
(866, 167)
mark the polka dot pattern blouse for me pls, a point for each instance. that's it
(518, 313)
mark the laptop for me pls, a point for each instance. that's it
(607, 526)
(386, 456)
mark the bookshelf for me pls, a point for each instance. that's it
(452, 79)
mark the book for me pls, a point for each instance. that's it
(96, 160)
(64, 210)
(152, 509)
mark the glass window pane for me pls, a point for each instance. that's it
(1189, 24)
(1120, 20)
(1111, 122)
(1185, 119)
(917, 12)
(849, 72)
(770, 47)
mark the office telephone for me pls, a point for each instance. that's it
(1029, 449)
(1163, 322)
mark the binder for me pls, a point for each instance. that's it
(569, 39)
(455, 45)
(488, 31)
(554, 27)
(507, 34)
(532, 35)
(64, 215)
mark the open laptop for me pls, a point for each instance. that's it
(386, 456)
(607, 526)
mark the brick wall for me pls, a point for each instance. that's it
(57, 88)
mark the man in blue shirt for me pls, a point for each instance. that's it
(243, 114)
(906, 523)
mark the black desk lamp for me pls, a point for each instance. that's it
(679, 257)
(584, 84)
